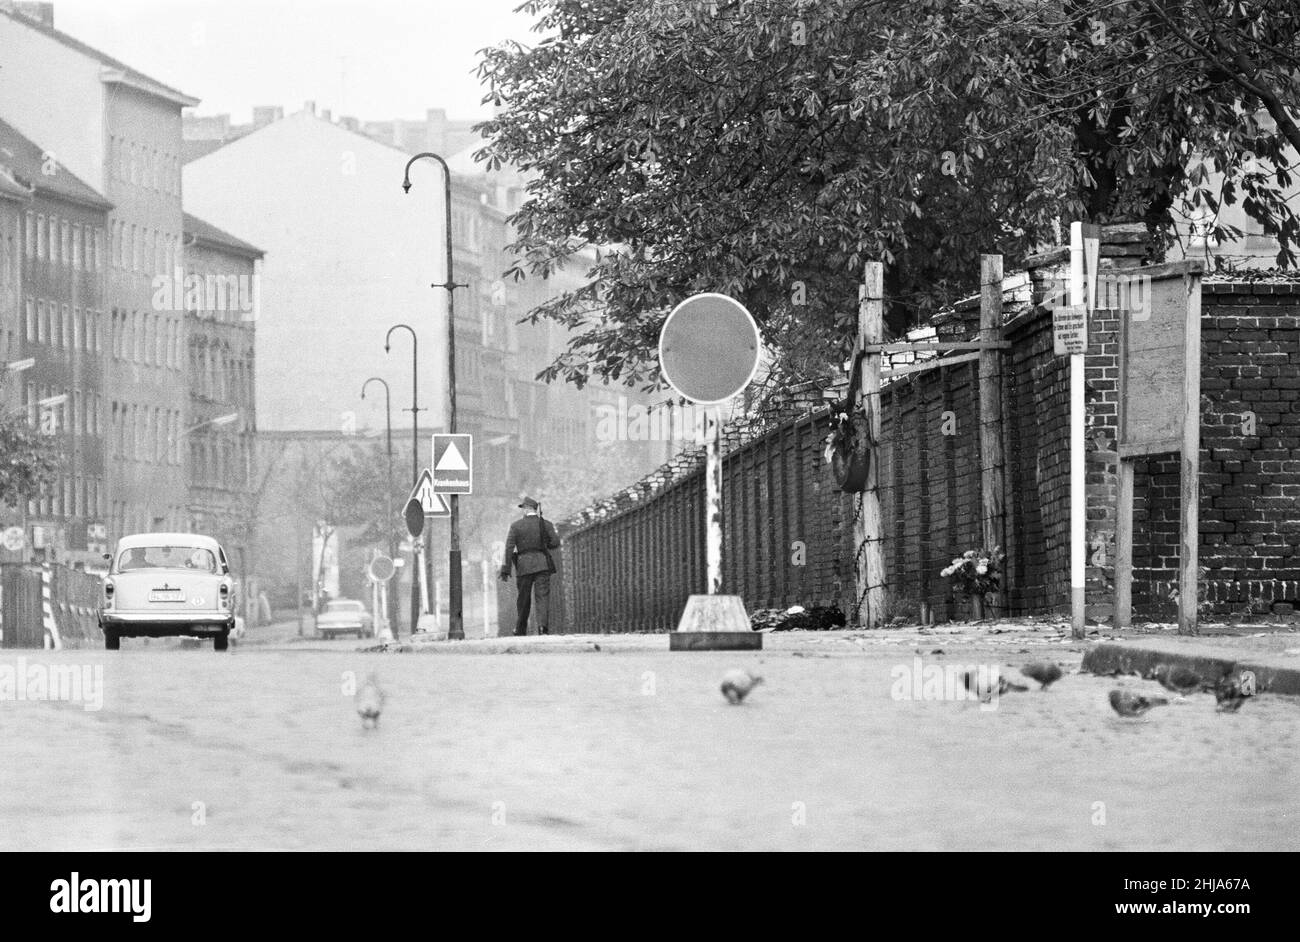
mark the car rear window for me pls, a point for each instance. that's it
(195, 558)
(344, 607)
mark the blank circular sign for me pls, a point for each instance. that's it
(382, 569)
(708, 348)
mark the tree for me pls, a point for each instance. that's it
(29, 460)
(767, 148)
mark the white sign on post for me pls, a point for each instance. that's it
(1070, 329)
(424, 494)
(453, 461)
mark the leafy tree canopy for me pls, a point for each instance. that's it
(29, 460)
(768, 148)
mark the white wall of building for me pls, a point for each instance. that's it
(347, 255)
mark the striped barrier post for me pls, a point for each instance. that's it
(52, 639)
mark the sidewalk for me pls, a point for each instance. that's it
(1272, 651)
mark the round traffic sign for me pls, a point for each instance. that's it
(414, 515)
(381, 569)
(709, 348)
(13, 539)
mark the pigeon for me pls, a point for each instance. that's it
(370, 703)
(737, 684)
(972, 682)
(1177, 679)
(1046, 674)
(1127, 703)
(1228, 694)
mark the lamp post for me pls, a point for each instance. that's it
(415, 411)
(456, 621)
(388, 502)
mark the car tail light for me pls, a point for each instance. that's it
(225, 595)
(108, 593)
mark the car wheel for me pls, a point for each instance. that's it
(112, 640)
(221, 641)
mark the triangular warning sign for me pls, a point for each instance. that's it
(451, 460)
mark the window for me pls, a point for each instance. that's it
(78, 412)
(76, 247)
(40, 237)
(78, 331)
(99, 249)
(31, 321)
(66, 328)
(54, 240)
(30, 232)
(136, 239)
(65, 242)
(40, 321)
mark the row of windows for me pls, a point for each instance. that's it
(71, 496)
(134, 518)
(144, 166)
(141, 249)
(220, 461)
(145, 433)
(151, 339)
(64, 242)
(220, 376)
(64, 326)
(55, 411)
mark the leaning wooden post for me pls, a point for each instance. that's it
(1189, 498)
(992, 474)
(867, 540)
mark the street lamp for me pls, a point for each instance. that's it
(388, 416)
(456, 627)
(415, 411)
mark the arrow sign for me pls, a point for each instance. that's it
(429, 500)
(453, 464)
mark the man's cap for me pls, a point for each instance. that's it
(529, 504)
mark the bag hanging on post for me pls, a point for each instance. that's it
(851, 442)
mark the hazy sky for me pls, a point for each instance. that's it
(374, 59)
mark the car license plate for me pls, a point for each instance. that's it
(166, 595)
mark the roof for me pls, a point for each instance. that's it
(167, 539)
(124, 73)
(210, 234)
(26, 160)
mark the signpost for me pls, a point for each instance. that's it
(708, 351)
(380, 570)
(1159, 413)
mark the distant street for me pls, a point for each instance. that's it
(550, 743)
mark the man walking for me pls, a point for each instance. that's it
(529, 545)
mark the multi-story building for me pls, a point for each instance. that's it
(220, 293)
(53, 235)
(119, 131)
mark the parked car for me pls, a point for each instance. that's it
(344, 616)
(162, 585)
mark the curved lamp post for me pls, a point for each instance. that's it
(456, 626)
(415, 411)
(388, 420)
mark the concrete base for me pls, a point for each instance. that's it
(714, 623)
(714, 641)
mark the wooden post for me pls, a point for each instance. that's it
(1078, 461)
(870, 598)
(993, 473)
(1191, 471)
(1124, 544)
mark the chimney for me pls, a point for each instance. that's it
(266, 114)
(327, 114)
(40, 12)
(309, 106)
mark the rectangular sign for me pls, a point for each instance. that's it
(453, 464)
(1070, 329)
(1152, 361)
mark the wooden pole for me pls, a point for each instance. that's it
(1190, 512)
(1124, 544)
(1078, 492)
(993, 474)
(870, 598)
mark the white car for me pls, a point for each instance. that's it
(344, 616)
(162, 585)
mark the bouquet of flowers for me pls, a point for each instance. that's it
(976, 572)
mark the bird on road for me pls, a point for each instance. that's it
(1046, 674)
(370, 703)
(983, 687)
(736, 685)
(1178, 679)
(1127, 703)
(1229, 695)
